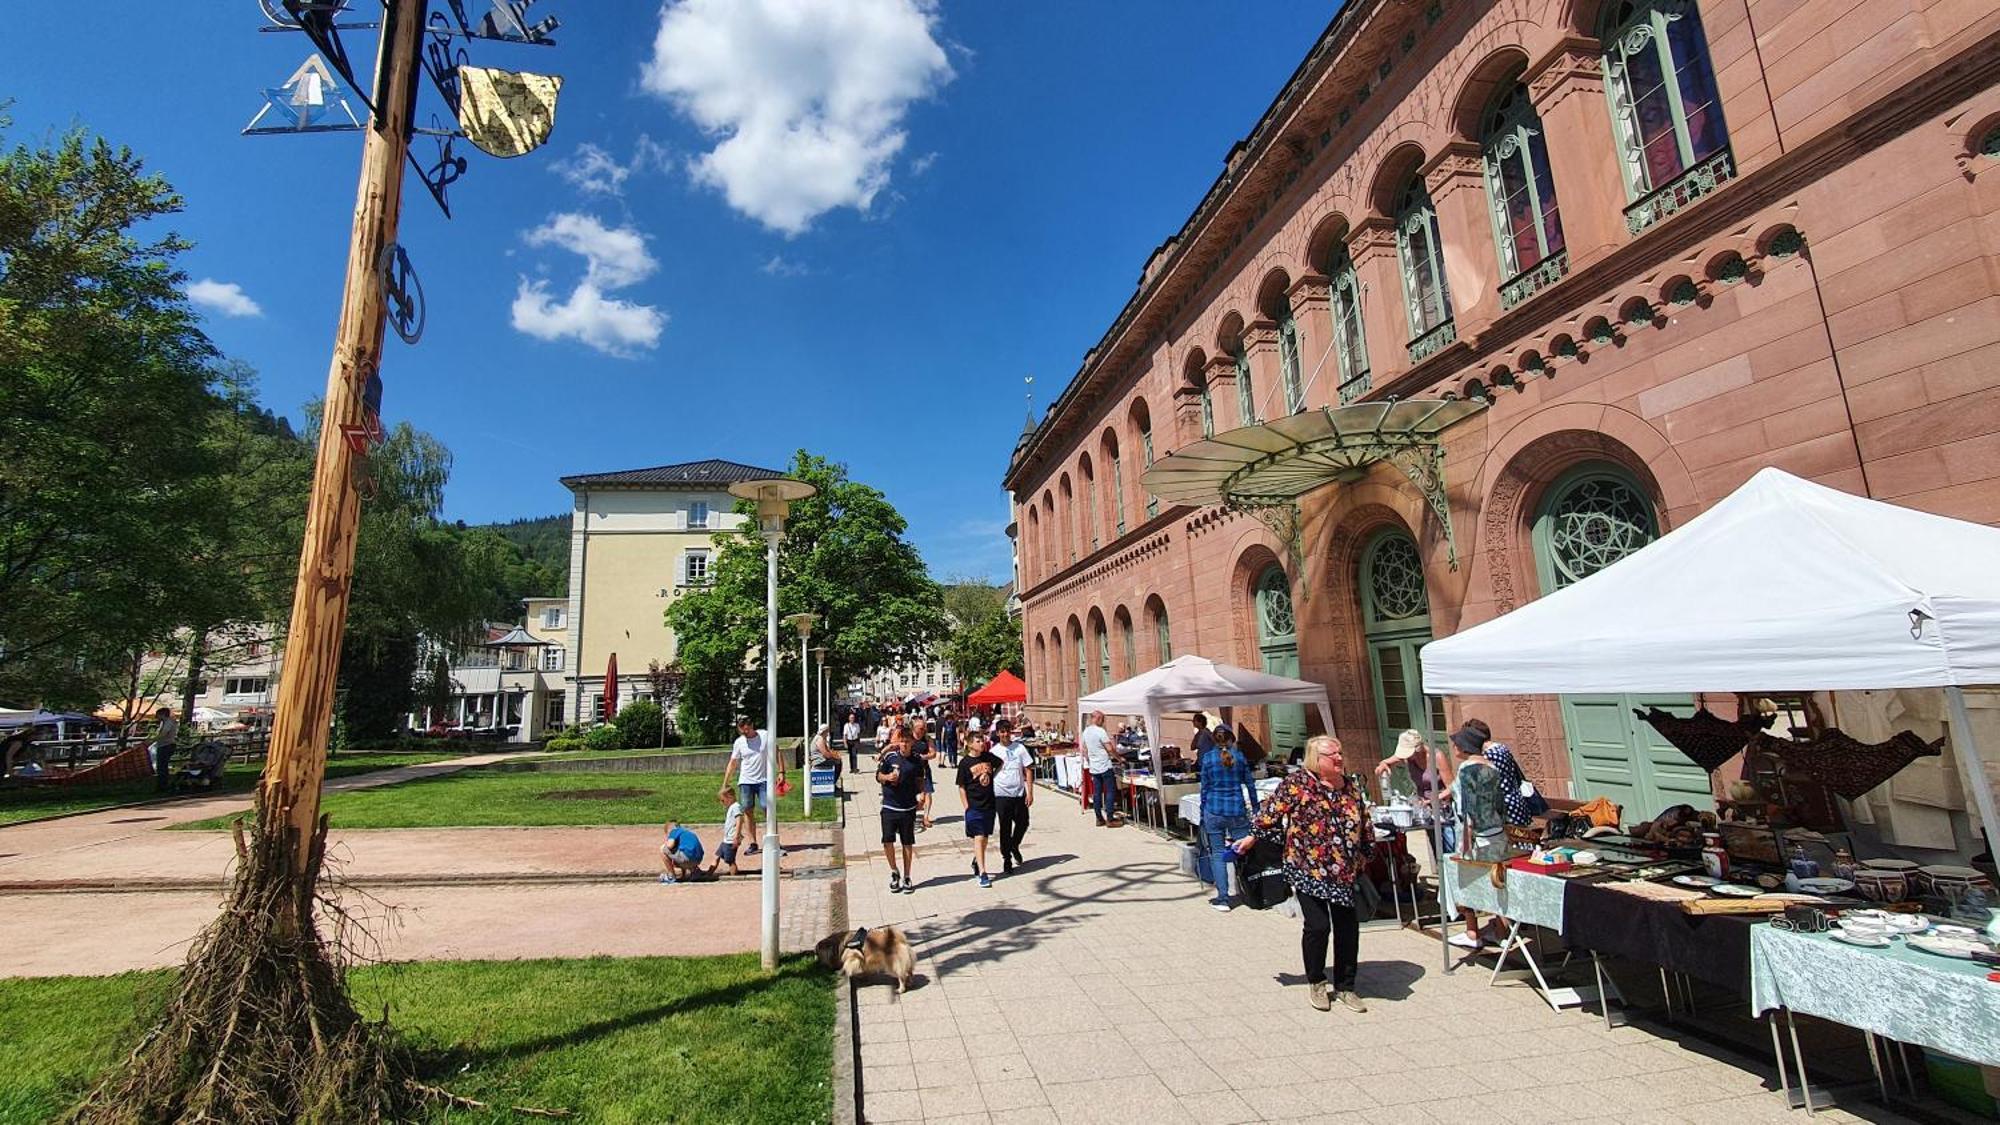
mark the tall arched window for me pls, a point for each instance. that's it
(1146, 453)
(1117, 489)
(1103, 656)
(1090, 518)
(1664, 107)
(1082, 663)
(1129, 643)
(1526, 225)
(1246, 392)
(1207, 411)
(1163, 634)
(1350, 340)
(1424, 289)
(1288, 358)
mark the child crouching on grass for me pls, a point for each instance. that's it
(680, 856)
(732, 827)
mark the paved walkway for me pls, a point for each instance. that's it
(1095, 985)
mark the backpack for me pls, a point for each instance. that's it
(1260, 876)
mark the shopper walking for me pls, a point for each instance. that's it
(1316, 814)
(1228, 797)
(948, 734)
(901, 783)
(975, 791)
(850, 734)
(924, 750)
(1103, 781)
(1013, 792)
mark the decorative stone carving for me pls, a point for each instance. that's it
(1372, 238)
(1457, 165)
(1310, 292)
(1572, 66)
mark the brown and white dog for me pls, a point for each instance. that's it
(864, 952)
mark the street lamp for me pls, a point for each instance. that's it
(774, 497)
(803, 622)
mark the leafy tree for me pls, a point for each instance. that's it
(106, 385)
(969, 600)
(544, 541)
(640, 724)
(844, 558)
(981, 650)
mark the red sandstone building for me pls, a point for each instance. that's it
(1663, 242)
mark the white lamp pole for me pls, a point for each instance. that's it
(774, 498)
(803, 622)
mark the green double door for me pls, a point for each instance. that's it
(1396, 622)
(1278, 645)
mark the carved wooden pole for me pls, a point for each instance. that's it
(299, 729)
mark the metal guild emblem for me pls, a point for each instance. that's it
(402, 293)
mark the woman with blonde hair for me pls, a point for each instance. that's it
(1317, 815)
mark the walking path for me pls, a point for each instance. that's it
(71, 888)
(1095, 985)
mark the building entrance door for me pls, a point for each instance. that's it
(1278, 644)
(1396, 620)
(1594, 516)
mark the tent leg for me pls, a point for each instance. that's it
(1965, 747)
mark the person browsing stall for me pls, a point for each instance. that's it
(976, 771)
(1228, 797)
(1317, 816)
(1097, 759)
(1482, 818)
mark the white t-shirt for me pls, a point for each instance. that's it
(851, 732)
(730, 820)
(750, 757)
(1096, 748)
(972, 724)
(882, 735)
(1015, 762)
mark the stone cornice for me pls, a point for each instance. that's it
(1572, 66)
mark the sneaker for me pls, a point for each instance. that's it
(1352, 1001)
(1100, 822)
(1464, 940)
(910, 885)
(1006, 867)
(751, 850)
(895, 881)
(1222, 906)
(985, 881)
(668, 879)
(1317, 996)
(975, 867)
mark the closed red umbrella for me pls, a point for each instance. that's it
(611, 688)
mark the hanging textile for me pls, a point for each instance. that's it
(1845, 765)
(1705, 737)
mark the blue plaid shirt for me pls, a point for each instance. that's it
(1224, 787)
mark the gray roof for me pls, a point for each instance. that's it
(687, 474)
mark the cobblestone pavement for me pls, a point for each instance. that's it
(1096, 985)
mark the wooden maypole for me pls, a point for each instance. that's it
(303, 715)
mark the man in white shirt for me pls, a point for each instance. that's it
(1103, 781)
(751, 762)
(1013, 792)
(850, 733)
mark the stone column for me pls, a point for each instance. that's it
(1221, 376)
(1384, 312)
(1567, 87)
(1456, 178)
(1187, 419)
(1319, 369)
(1260, 347)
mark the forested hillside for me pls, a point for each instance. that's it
(543, 540)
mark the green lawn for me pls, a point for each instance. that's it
(495, 797)
(38, 801)
(650, 1039)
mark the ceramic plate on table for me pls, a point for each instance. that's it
(1965, 949)
(1734, 890)
(1826, 886)
(1888, 921)
(1865, 938)
(1954, 933)
(1696, 880)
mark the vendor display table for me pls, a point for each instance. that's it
(1190, 803)
(1713, 947)
(1524, 898)
(1898, 992)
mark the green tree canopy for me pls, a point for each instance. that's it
(982, 649)
(844, 558)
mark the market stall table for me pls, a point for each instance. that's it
(1899, 993)
(1525, 898)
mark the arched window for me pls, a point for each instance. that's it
(1146, 453)
(1288, 358)
(1082, 664)
(1526, 225)
(1592, 518)
(1207, 411)
(1040, 669)
(1090, 518)
(1117, 489)
(1350, 340)
(1664, 107)
(1163, 634)
(1103, 656)
(1246, 392)
(1424, 289)
(1128, 643)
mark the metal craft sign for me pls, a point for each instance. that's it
(504, 112)
(402, 293)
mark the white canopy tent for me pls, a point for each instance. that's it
(1194, 683)
(1784, 585)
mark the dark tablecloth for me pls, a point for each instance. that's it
(1713, 948)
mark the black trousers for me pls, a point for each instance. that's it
(1324, 919)
(1013, 825)
(163, 768)
(853, 755)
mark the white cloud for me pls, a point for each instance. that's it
(923, 163)
(780, 266)
(592, 170)
(614, 258)
(806, 100)
(224, 297)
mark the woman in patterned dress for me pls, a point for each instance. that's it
(1317, 815)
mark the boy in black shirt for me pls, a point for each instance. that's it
(902, 782)
(975, 790)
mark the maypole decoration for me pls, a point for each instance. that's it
(262, 1028)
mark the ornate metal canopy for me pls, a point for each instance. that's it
(1269, 466)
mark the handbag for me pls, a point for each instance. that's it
(1260, 875)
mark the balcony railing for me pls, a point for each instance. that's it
(1433, 342)
(1680, 191)
(1534, 279)
(1354, 388)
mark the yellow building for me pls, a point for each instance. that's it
(639, 539)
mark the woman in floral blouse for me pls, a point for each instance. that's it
(1317, 815)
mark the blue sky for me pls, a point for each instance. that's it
(854, 232)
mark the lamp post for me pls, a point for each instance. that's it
(774, 497)
(825, 713)
(803, 622)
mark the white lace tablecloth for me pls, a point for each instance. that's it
(1526, 897)
(1908, 995)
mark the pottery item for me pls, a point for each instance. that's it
(1881, 885)
(1734, 890)
(1948, 881)
(1890, 864)
(1826, 886)
(1868, 940)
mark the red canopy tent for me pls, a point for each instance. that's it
(1003, 688)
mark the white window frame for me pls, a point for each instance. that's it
(553, 657)
(552, 617)
(697, 515)
(688, 575)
